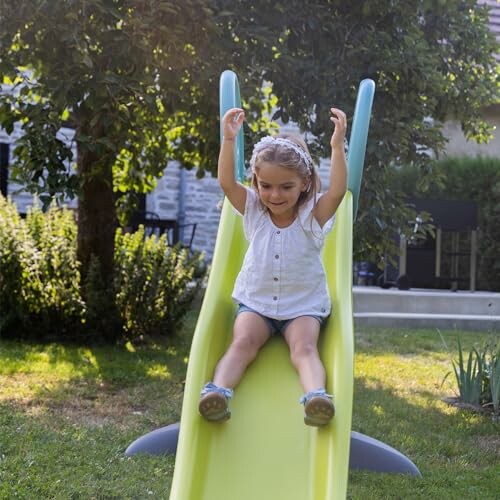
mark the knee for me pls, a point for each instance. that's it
(303, 350)
(246, 345)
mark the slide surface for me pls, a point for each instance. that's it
(265, 451)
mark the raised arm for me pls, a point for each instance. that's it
(329, 202)
(236, 193)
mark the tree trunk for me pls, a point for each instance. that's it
(96, 217)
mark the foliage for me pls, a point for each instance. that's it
(138, 83)
(469, 377)
(466, 178)
(154, 282)
(117, 72)
(430, 61)
(492, 375)
(40, 294)
(39, 277)
(478, 378)
(127, 76)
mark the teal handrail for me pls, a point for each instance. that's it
(359, 137)
(229, 97)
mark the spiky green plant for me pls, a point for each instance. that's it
(492, 370)
(469, 376)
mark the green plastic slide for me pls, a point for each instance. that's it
(265, 451)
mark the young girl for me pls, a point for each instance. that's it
(281, 288)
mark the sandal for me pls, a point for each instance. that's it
(318, 408)
(213, 404)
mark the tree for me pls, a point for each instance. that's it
(431, 61)
(138, 82)
(124, 75)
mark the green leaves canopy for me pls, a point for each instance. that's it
(431, 61)
(138, 82)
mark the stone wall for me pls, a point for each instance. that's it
(202, 205)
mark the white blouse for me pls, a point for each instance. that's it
(282, 276)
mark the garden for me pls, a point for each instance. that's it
(96, 322)
(68, 413)
(71, 404)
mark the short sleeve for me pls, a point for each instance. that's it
(253, 211)
(310, 224)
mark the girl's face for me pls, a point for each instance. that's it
(279, 190)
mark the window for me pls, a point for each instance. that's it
(4, 168)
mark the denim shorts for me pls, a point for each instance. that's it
(277, 326)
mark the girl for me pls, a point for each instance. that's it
(281, 288)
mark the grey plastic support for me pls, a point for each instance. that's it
(161, 441)
(366, 453)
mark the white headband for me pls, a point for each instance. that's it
(287, 143)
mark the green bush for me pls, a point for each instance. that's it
(155, 282)
(476, 179)
(41, 290)
(39, 278)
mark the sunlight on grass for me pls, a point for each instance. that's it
(49, 360)
(159, 371)
(68, 413)
(130, 347)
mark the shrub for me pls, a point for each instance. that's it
(39, 277)
(41, 289)
(155, 282)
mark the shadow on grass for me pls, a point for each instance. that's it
(97, 384)
(428, 431)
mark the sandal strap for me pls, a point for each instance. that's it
(211, 387)
(321, 392)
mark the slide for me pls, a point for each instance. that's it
(265, 451)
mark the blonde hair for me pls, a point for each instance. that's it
(294, 156)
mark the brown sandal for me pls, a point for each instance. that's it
(213, 404)
(318, 408)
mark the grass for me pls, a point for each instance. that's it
(67, 414)
(398, 391)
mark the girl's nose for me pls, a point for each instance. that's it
(275, 194)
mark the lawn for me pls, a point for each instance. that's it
(67, 413)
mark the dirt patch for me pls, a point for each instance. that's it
(490, 444)
(91, 403)
(484, 410)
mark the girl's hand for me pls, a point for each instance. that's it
(232, 122)
(339, 119)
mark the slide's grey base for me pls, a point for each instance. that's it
(162, 441)
(371, 454)
(366, 453)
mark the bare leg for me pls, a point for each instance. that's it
(302, 336)
(250, 333)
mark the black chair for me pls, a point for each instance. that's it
(154, 225)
